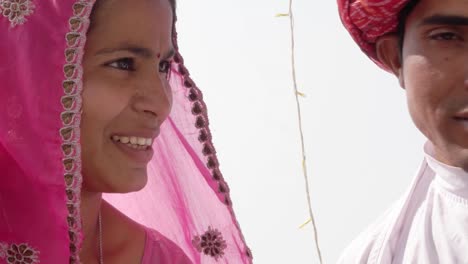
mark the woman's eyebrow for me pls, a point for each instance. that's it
(169, 54)
(135, 50)
(449, 20)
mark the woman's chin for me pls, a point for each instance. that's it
(133, 184)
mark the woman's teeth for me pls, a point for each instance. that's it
(134, 142)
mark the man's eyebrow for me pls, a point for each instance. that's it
(449, 20)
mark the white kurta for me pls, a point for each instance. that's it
(428, 225)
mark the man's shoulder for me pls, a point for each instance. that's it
(363, 248)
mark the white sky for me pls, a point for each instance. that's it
(362, 146)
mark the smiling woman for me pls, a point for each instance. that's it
(126, 94)
(117, 115)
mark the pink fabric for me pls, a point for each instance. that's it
(186, 198)
(159, 249)
(367, 20)
(32, 190)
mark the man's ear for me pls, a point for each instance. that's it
(388, 53)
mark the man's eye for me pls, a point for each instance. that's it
(445, 36)
(125, 64)
(164, 66)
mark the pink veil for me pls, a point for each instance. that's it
(186, 198)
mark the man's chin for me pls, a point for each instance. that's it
(462, 159)
(457, 156)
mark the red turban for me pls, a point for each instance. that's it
(367, 20)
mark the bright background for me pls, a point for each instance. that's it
(362, 146)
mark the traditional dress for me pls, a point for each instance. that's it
(185, 207)
(429, 224)
(159, 249)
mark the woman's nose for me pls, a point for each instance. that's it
(154, 96)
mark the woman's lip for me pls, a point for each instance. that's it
(140, 156)
(143, 133)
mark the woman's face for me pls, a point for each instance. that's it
(126, 95)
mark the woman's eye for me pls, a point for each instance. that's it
(125, 64)
(445, 36)
(164, 66)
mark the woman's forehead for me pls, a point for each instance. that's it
(147, 22)
(124, 13)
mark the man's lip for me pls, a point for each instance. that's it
(461, 118)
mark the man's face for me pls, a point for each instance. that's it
(434, 72)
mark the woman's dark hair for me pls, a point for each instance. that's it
(402, 18)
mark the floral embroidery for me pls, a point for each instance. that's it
(211, 243)
(18, 254)
(16, 10)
